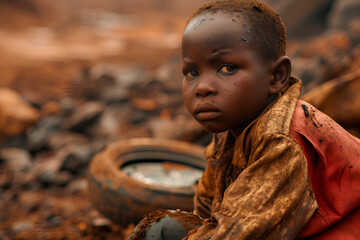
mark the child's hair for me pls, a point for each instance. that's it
(266, 27)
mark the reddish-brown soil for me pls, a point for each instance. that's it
(44, 47)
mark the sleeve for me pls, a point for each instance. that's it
(204, 194)
(205, 188)
(271, 199)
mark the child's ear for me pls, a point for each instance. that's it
(281, 72)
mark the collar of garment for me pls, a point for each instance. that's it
(276, 118)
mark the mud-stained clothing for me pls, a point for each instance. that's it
(293, 172)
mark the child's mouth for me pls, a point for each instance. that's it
(206, 112)
(206, 116)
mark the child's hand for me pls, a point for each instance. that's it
(166, 224)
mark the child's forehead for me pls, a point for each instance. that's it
(209, 22)
(214, 31)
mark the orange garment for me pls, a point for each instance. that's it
(258, 185)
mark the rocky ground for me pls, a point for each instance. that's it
(75, 77)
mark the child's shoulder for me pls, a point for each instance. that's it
(321, 131)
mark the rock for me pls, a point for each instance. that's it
(54, 220)
(77, 185)
(157, 94)
(46, 177)
(110, 83)
(110, 122)
(147, 104)
(76, 158)
(141, 130)
(53, 178)
(64, 138)
(37, 137)
(170, 100)
(46, 167)
(170, 75)
(29, 201)
(103, 223)
(111, 95)
(50, 107)
(16, 114)
(68, 106)
(18, 164)
(84, 116)
(125, 77)
(18, 160)
(182, 127)
(138, 116)
(5, 178)
(16, 142)
(21, 226)
(323, 58)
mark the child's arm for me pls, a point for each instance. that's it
(271, 199)
(205, 187)
(204, 194)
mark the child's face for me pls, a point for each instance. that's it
(225, 84)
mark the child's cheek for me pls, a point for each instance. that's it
(186, 93)
(187, 102)
(185, 98)
(227, 92)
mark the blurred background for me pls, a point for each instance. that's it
(76, 75)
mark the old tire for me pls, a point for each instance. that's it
(124, 199)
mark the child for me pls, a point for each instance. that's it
(278, 168)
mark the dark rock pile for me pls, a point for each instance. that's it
(107, 103)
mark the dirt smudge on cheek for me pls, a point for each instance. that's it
(244, 40)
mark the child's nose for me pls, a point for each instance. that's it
(205, 88)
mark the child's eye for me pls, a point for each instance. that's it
(191, 74)
(227, 69)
